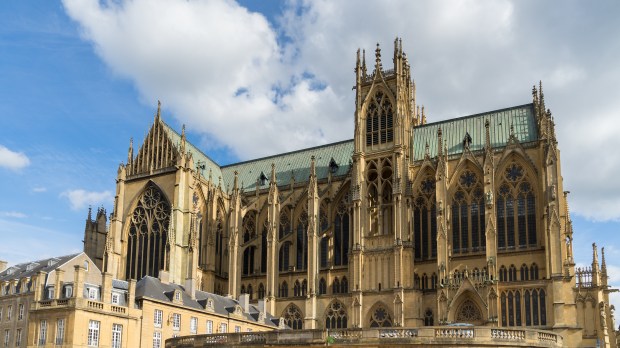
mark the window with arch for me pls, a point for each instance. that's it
(379, 120)
(503, 274)
(285, 222)
(516, 210)
(283, 290)
(468, 231)
(283, 257)
(249, 226)
(302, 243)
(324, 239)
(434, 281)
(250, 291)
(535, 308)
(292, 317)
(261, 291)
(336, 286)
(341, 233)
(220, 248)
(424, 281)
(425, 220)
(428, 318)
(263, 251)
(525, 272)
(344, 285)
(380, 317)
(242, 291)
(147, 237)
(529, 302)
(336, 316)
(304, 287)
(534, 271)
(379, 179)
(248, 261)
(512, 273)
(322, 286)
(468, 312)
(297, 289)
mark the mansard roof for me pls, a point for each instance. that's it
(31, 268)
(294, 164)
(521, 117)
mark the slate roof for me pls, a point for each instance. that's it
(454, 130)
(292, 164)
(22, 270)
(153, 288)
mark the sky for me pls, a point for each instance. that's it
(80, 78)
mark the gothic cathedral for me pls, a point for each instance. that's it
(408, 224)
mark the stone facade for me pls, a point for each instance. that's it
(409, 224)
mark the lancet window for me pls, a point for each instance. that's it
(468, 215)
(324, 241)
(380, 209)
(261, 291)
(285, 222)
(322, 286)
(379, 120)
(148, 233)
(293, 317)
(283, 257)
(336, 316)
(283, 290)
(248, 260)
(263, 251)
(341, 234)
(380, 317)
(516, 210)
(220, 248)
(425, 220)
(302, 244)
(524, 307)
(249, 226)
(428, 318)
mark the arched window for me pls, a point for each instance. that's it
(249, 226)
(534, 271)
(263, 251)
(535, 307)
(284, 257)
(468, 231)
(428, 318)
(516, 210)
(336, 316)
(261, 291)
(434, 281)
(302, 244)
(148, 235)
(293, 317)
(424, 282)
(344, 285)
(512, 273)
(336, 286)
(341, 234)
(242, 291)
(304, 287)
(380, 318)
(324, 239)
(297, 289)
(283, 289)
(248, 261)
(250, 290)
(416, 281)
(379, 119)
(220, 248)
(525, 272)
(379, 178)
(322, 286)
(425, 220)
(503, 274)
(285, 222)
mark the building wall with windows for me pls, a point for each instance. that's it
(410, 223)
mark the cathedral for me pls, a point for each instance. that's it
(411, 223)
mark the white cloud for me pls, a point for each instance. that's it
(13, 160)
(80, 199)
(39, 189)
(13, 214)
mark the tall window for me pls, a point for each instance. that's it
(248, 260)
(302, 244)
(156, 339)
(284, 257)
(176, 321)
(261, 291)
(283, 291)
(93, 333)
(516, 210)
(148, 230)
(263, 251)
(20, 313)
(157, 318)
(7, 337)
(42, 332)
(468, 232)
(60, 331)
(428, 318)
(18, 337)
(293, 317)
(209, 326)
(336, 316)
(285, 222)
(379, 120)
(322, 286)
(341, 234)
(379, 178)
(223, 327)
(249, 226)
(425, 220)
(524, 307)
(117, 335)
(193, 325)
(324, 241)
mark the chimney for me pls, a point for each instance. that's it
(132, 293)
(3, 265)
(39, 286)
(78, 282)
(164, 277)
(58, 283)
(261, 305)
(244, 302)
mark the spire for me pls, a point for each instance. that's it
(534, 96)
(158, 116)
(236, 181)
(541, 97)
(439, 143)
(378, 67)
(487, 135)
(273, 173)
(183, 140)
(130, 152)
(90, 213)
(358, 64)
(364, 70)
(594, 258)
(603, 263)
(312, 166)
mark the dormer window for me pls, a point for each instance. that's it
(262, 179)
(177, 296)
(51, 262)
(93, 293)
(50, 293)
(68, 291)
(116, 298)
(210, 304)
(333, 166)
(31, 266)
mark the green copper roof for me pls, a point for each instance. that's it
(295, 164)
(454, 131)
(199, 157)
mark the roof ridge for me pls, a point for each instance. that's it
(474, 115)
(45, 259)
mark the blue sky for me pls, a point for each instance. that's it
(79, 78)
